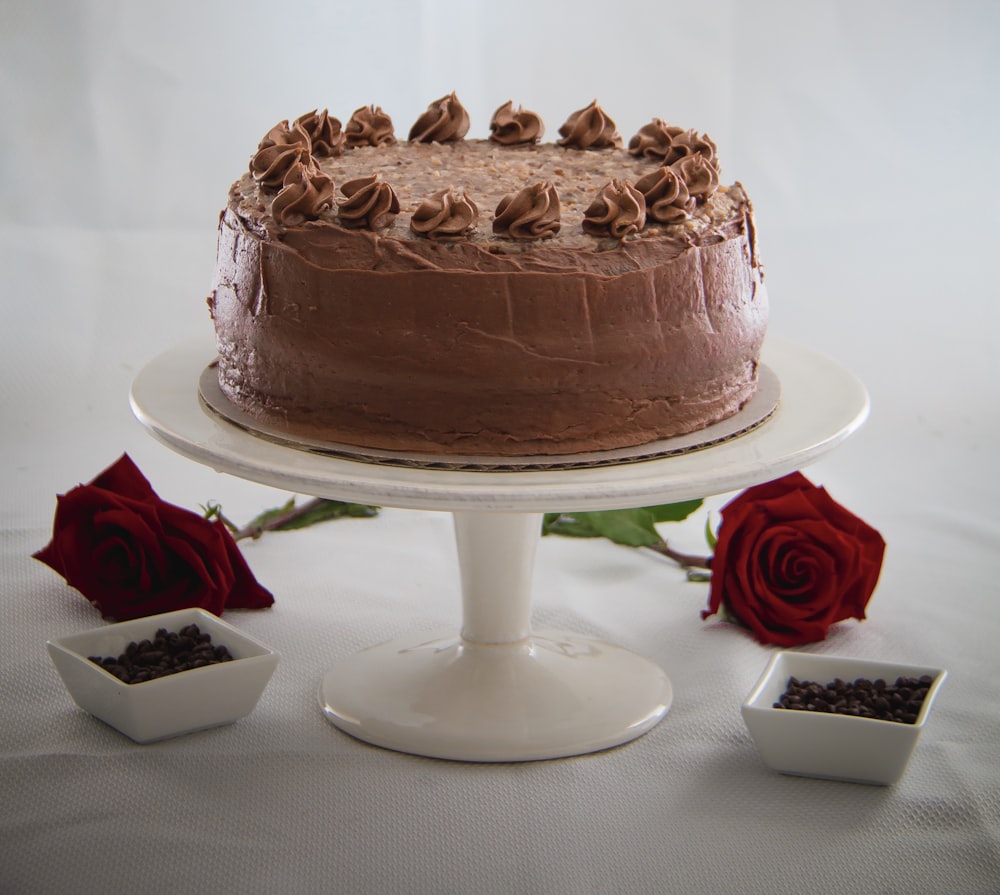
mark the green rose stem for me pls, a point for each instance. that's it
(256, 528)
(684, 560)
(290, 516)
(634, 528)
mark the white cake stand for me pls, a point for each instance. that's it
(496, 690)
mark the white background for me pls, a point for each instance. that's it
(867, 134)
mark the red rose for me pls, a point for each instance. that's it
(131, 554)
(790, 561)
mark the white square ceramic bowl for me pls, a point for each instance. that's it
(179, 703)
(831, 746)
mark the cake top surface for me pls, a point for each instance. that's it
(507, 196)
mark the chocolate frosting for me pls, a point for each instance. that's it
(470, 342)
(281, 148)
(445, 216)
(590, 128)
(305, 194)
(667, 198)
(690, 142)
(618, 211)
(512, 127)
(669, 144)
(699, 175)
(325, 133)
(654, 140)
(531, 213)
(465, 362)
(445, 120)
(369, 203)
(369, 126)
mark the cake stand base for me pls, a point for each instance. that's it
(496, 691)
(551, 695)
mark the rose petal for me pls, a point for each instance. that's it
(124, 478)
(247, 592)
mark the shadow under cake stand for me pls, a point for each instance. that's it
(497, 690)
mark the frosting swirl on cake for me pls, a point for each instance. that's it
(690, 142)
(445, 120)
(618, 211)
(699, 175)
(281, 148)
(590, 128)
(531, 213)
(669, 143)
(513, 127)
(446, 215)
(325, 133)
(667, 198)
(368, 203)
(369, 126)
(306, 193)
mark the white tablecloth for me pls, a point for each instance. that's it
(867, 136)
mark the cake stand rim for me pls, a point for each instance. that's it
(822, 404)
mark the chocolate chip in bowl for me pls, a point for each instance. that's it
(164, 675)
(840, 718)
(169, 652)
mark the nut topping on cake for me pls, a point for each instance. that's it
(325, 133)
(445, 121)
(369, 126)
(514, 127)
(281, 148)
(369, 204)
(590, 128)
(305, 194)
(667, 198)
(531, 213)
(618, 211)
(445, 216)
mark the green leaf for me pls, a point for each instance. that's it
(710, 534)
(569, 525)
(674, 512)
(321, 512)
(632, 528)
(268, 516)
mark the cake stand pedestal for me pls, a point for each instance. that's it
(497, 690)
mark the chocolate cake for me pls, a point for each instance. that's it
(495, 297)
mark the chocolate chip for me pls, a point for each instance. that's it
(862, 698)
(167, 653)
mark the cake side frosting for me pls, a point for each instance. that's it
(520, 331)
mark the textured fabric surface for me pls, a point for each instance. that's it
(865, 134)
(282, 801)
